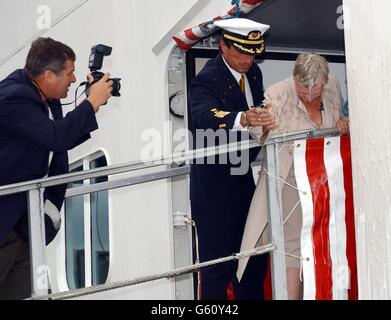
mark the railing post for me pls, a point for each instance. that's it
(278, 268)
(39, 269)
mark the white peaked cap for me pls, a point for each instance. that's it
(241, 26)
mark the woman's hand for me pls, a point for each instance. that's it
(342, 126)
(261, 117)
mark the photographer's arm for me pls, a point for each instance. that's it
(99, 92)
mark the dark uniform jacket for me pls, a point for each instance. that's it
(27, 135)
(215, 100)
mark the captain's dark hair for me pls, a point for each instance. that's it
(227, 42)
(47, 54)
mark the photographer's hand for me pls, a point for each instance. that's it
(99, 92)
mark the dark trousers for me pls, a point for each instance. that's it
(220, 235)
(15, 283)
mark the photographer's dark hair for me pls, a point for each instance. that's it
(47, 54)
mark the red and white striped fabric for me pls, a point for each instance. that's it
(186, 39)
(323, 171)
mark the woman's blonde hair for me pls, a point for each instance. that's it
(310, 70)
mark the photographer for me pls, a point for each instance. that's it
(34, 139)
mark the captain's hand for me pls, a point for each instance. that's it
(262, 117)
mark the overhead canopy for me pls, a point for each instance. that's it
(303, 24)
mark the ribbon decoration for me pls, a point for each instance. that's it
(186, 39)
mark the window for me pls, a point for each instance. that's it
(74, 235)
(87, 230)
(99, 226)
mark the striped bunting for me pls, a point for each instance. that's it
(186, 39)
(323, 170)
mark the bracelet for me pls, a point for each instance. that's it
(245, 119)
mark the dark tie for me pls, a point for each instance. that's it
(242, 84)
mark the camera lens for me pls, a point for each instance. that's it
(116, 87)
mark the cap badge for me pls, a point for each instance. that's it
(255, 35)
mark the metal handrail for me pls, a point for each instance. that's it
(168, 160)
(77, 293)
(126, 167)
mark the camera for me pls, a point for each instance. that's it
(98, 52)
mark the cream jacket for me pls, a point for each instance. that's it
(291, 116)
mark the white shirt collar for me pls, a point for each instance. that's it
(237, 76)
(50, 111)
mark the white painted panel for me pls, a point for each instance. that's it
(368, 52)
(21, 21)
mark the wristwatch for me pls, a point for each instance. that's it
(244, 118)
